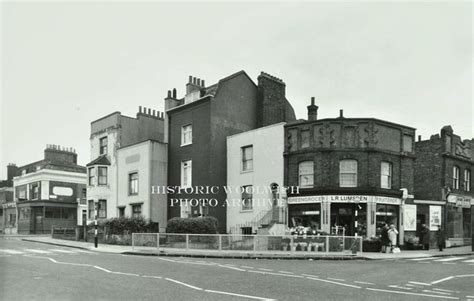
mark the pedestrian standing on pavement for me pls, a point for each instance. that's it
(425, 237)
(440, 238)
(392, 236)
(384, 238)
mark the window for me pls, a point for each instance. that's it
(136, 210)
(187, 134)
(102, 175)
(304, 138)
(306, 174)
(91, 209)
(186, 173)
(121, 211)
(103, 146)
(407, 143)
(455, 177)
(133, 183)
(68, 213)
(247, 197)
(467, 180)
(348, 173)
(386, 175)
(52, 212)
(34, 191)
(91, 176)
(102, 208)
(23, 171)
(247, 158)
(83, 200)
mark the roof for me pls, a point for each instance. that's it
(102, 160)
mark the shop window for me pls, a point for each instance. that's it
(186, 134)
(103, 146)
(136, 210)
(52, 212)
(34, 191)
(25, 213)
(102, 208)
(91, 209)
(467, 180)
(306, 174)
(91, 176)
(11, 220)
(133, 183)
(186, 173)
(455, 177)
(102, 175)
(304, 138)
(386, 175)
(348, 173)
(386, 214)
(68, 213)
(247, 158)
(306, 215)
(247, 197)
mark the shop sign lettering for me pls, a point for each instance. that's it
(344, 199)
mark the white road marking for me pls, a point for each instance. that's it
(412, 294)
(408, 284)
(336, 279)
(448, 263)
(285, 272)
(246, 267)
(262, 269)
(310, 275)
(333, 282)
(232, 268)
(102, 269)
(84, 251)
(238, 295)
(443, 290)
(436, 292)
(451, 277)
(37, 251)
(469, 296)
(419, 283)
(13, 252)
(62, 251)
(420, 259)
(276, 274)
(469, 261)
(450, 259)
(155, 277)
(363, 282)
(400, 287)
(185, 284)
(126, 274)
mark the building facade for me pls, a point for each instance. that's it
(50, 192)
(353, 174)
(255, 179)
(8, 212)
(443, 186)
(107, 195)
(142, 172)
(198, 126)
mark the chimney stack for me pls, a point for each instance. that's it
(174, 93)
(341, 113)
(312, 111)
(419, 137)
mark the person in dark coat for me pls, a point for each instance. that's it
(384, 238)
(425, 237)
(440, 238)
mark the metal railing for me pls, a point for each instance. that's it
(248, 243)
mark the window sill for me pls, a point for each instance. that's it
(246, 171)
(246, 210)
(186, 144)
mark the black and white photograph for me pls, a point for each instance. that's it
(236, 150)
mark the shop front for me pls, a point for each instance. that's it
(349, 215)
(9, 221)
(39, 217)
(458, 220)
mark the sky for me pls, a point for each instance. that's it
(65, 64)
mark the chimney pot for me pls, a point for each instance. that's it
(169, 93)
(419, 137)
(194, 80)
(199, 82)
(139, 109)
(190, 79)
(341, 113)
(174, 93)
(154, 112)
(202, 83)
(312, 111)
(149, 111)
(312, 101)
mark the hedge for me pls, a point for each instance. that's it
(126, 225)
(194, 225)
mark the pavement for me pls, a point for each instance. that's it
(151, 251)
(40, 271)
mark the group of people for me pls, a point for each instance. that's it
(389, 238)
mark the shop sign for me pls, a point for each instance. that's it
(409, 212)
(9, 205)
(344, 199)
(435, 217)
(463, 202)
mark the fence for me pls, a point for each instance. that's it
(250, 243)
(69, 233)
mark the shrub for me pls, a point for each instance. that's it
(194, 225)
(126, 225)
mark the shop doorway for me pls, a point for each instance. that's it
(38, 220)
(349, 219)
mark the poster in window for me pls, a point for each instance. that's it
(435, 217)
(410, 217)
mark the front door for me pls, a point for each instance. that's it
(38, 220)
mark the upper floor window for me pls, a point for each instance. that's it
(136, 210)
(304, 138)
(386, 175)
(133, 183)
(247, 158)
(102, 175)
(407, 143)
(467, 180)
(348, 173)
(187, 134)
(247, 197)
(103, 145)
(91, 176)
(455, 177)
(306, 174)
(186, 173)
(23, 172)
(102, 209)
(34, 191)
